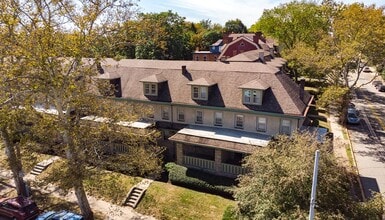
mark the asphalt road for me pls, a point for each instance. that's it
(368, 138)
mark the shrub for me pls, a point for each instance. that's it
(229, 213)
(180, 175)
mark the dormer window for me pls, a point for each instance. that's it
(199, 92)
(200, 89)
(252, 96)
(252, 92)
(152, 84)
(150, 89)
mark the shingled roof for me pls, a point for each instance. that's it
(282, 95)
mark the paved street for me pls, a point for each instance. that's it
(368, 138)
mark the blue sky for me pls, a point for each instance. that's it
(220, 11)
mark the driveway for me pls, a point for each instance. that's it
(368, 138)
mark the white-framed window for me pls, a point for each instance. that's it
(252, 96)
(218, 118)
(239, 121)
(180, 113)
(150, 89)
(199, 117)
(199, 92)
(165, 112)
(285, 126)
(261, 124)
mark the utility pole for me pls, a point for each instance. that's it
(314, 185)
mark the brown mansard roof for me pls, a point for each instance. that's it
(281, 96)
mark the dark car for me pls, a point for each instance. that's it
(381, 88)
(62, 215)
(352, 116)
(20, 208)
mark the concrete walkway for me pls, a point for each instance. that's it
(339, 142)
(111, 211)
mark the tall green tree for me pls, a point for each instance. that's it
(205, 34)
(296, 21)
(14, 91)
(50, 41)
(279, 181)
(235, 26)
(358, 36)
(161, 36)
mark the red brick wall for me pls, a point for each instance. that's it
(201, 57)
(239, 47)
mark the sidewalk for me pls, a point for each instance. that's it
(339, 142)
(110, 211)
(340, 145)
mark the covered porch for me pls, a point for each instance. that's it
(216, 150)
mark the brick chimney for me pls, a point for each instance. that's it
(226, 38)
(258, 36)
(184, 69)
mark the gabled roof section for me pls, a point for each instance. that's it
(156, 78)
(240, 38)
(201, 82)
(248, 56)
(244, 35)
(255, 84)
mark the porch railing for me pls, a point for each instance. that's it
(232, 169)
(198, 162)
(113, 148)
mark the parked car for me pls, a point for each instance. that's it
(367, 69)
(353, 116)
(62, 215)
(381, 88)
(20, 208)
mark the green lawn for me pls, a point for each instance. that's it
(166, 201)
(161, 200)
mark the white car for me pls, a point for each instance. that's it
(367, 69)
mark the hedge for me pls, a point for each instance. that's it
(197, 180)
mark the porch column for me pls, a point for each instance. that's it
(218, 160)
(179, 153)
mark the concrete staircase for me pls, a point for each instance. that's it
(136, 193)
(40, 167)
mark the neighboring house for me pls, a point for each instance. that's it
(211, 55)
(212, 114)
(235, 44)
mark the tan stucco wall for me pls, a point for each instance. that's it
(228, 118)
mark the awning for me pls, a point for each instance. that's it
(226, 139)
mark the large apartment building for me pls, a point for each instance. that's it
(212, 114)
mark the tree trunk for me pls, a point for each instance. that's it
(14, 164)
(73, 163)
(83, 201)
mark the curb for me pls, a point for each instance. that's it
(355, 166)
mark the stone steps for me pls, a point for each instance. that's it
(40, 167)
(136, 193)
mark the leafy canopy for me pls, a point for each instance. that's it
(279, 181)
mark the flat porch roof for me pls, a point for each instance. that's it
(227, 139)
